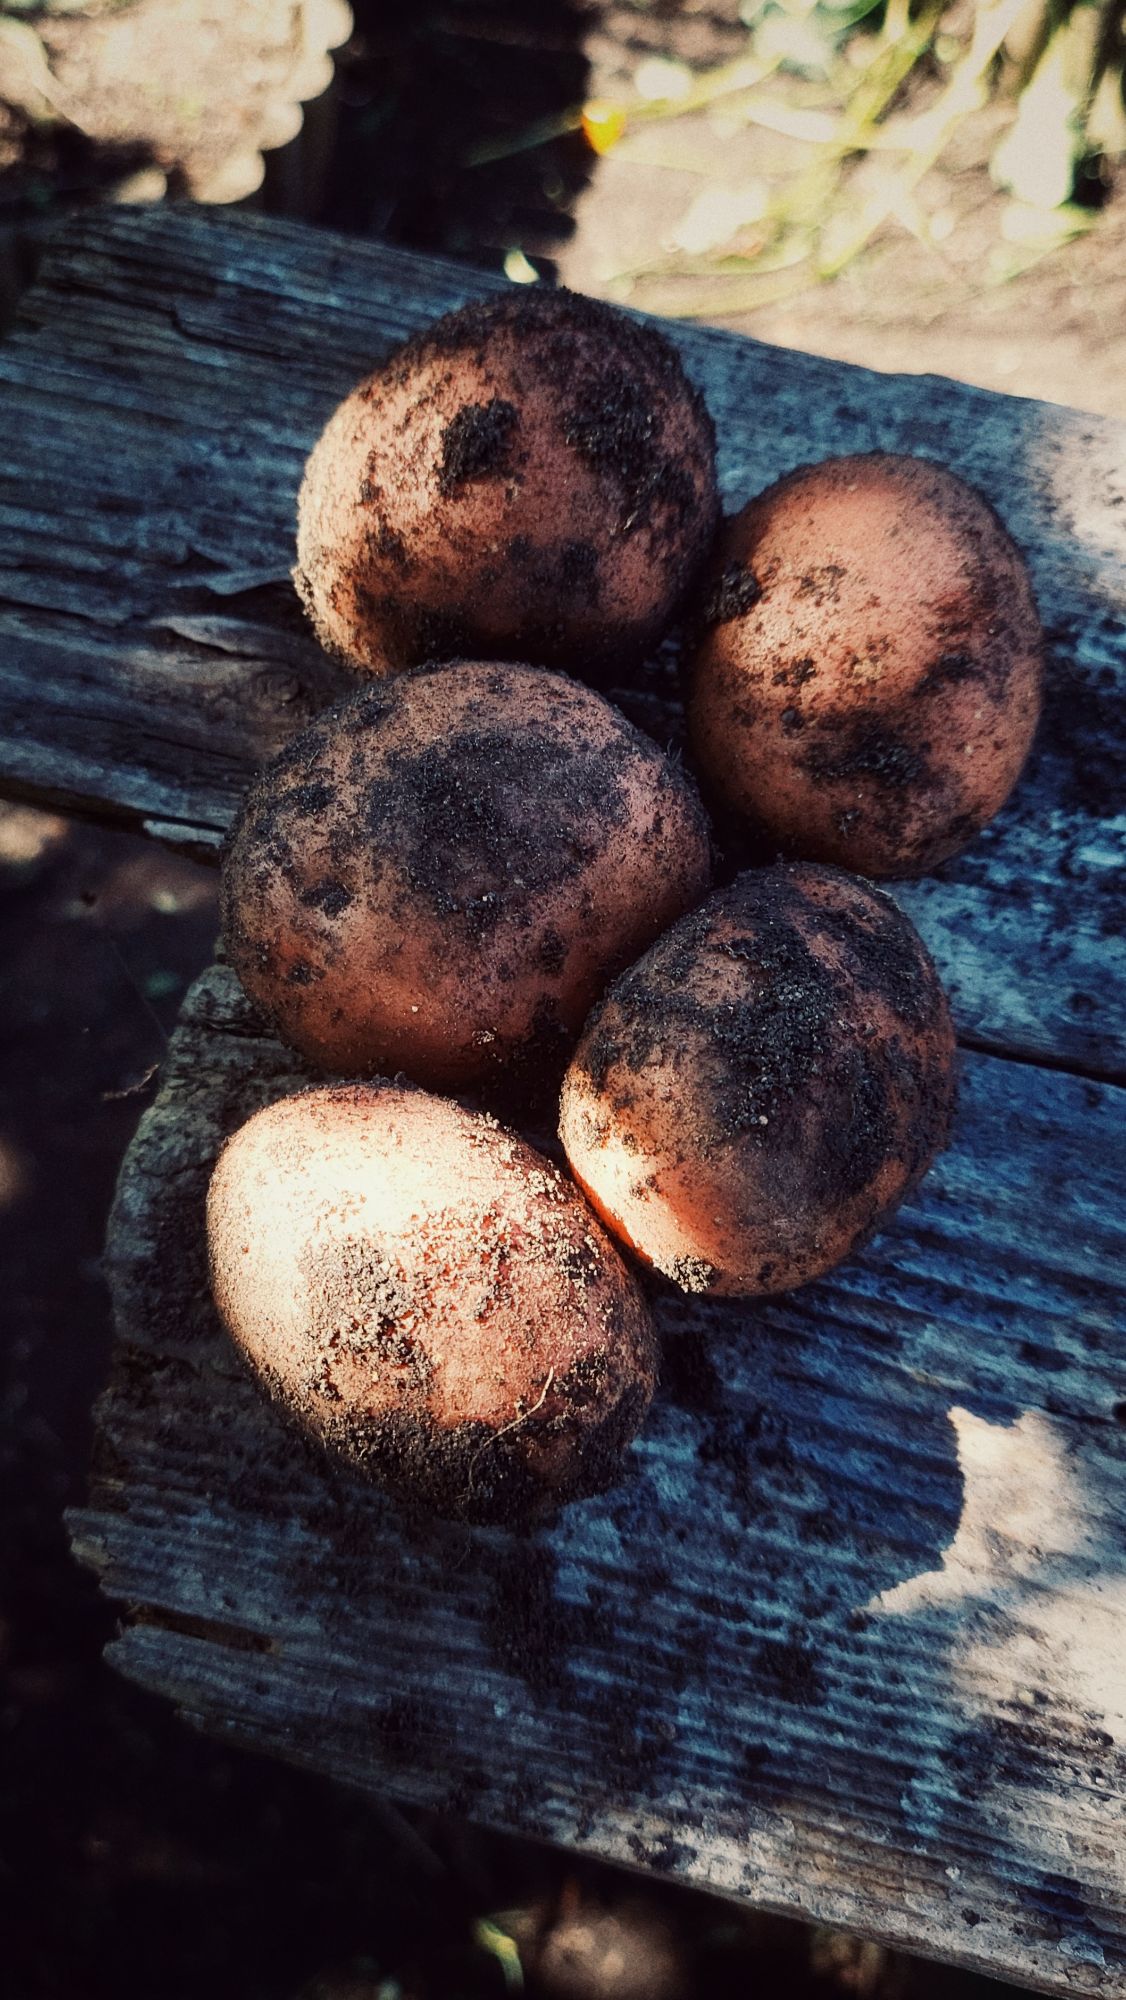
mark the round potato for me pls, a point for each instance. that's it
(441, 875)
(869, 679)
(757, 1094)
(531, 478)
(429, 1298)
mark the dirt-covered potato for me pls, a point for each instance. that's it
(757, 1094)
(429, 1298)
(531, 478)
(868, 683)
(442, 874)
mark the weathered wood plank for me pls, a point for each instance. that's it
(157, 403)
(846, 1640)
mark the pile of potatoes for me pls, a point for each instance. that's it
(475, 888)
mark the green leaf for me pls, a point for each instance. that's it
(504, 1949)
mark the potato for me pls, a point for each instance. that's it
(429, 1298)
(441, 875)
(869, 680)
(531, 478)
(757, 1094)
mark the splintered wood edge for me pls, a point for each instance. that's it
(248, 1569)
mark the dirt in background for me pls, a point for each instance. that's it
(1056, 331)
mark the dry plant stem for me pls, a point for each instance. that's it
(744, 73)
(924, 139)
(542, 133)
(807, 123)
(897, 20)
(1109, 51)
(813, 188)
(962, 95)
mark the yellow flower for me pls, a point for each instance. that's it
(603, 125)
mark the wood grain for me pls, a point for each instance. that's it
(156, 405)
(847, 1638)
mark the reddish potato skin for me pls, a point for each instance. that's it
(869, 679)
(427, 1297)
(761, 1090)
(531, 478)
(441, 875)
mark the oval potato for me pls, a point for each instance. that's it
(869, 680)
(441, 875)
(759, 1092)
(531, 478)
(429, 1298)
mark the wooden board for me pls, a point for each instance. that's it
(156, 405)
(848, 1639)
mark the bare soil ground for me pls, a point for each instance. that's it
(1056, 329)
(1057, 332)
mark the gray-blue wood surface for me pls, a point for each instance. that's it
(849, 1638)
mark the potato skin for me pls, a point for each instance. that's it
(428, 1298)
(758, 1094)
(531, 478)
(869, 680)
(443, 873)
